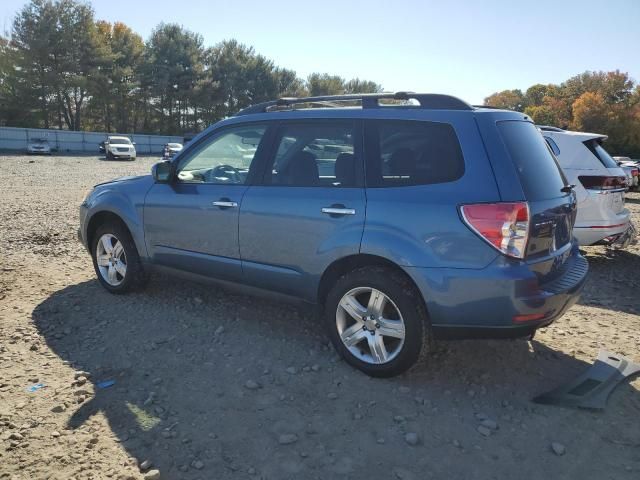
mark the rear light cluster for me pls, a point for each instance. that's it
(597, 182)
(503, 225)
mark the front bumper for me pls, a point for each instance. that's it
(464, 303)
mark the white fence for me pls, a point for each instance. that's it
(66, 141)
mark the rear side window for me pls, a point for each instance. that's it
(403, 153)
(540, 175)
(601, 154)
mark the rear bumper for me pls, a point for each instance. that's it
(483, 303)
(622, 240)
(593, 232)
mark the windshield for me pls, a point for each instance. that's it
(119, 141)
(40, 140)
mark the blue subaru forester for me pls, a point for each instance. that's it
(405, 216)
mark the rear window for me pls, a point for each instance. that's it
(402, 153)
(540, 175)
(601, 154)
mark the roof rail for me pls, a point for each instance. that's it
(368, 100)
(548, 128)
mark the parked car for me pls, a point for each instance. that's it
(631, 169)
(599, 185)
(39, 146)
(119, 147)
(171, 149)
(467, 230)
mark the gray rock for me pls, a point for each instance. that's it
(412, 438)
(152, 475)
(484, 431)
(404, 389)
(287, 438)
(58, 409)
(145, 465)
(292, 370)
(197, 464)
(252, 385)
(219, 330)
(558, 448)
(332, 396)
(491, 424)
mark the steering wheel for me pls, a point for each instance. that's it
(226, 171)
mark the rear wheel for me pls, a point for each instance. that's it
(377, 321)
(116, 260)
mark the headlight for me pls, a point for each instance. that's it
(86, 196)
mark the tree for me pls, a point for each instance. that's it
(325, 84)
(174, 65)
(356, 85)
(507, 99)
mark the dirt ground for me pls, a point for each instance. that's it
(214, 385)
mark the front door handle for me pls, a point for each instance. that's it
(224, 203)
(338, 210)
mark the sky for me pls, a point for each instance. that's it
(465, 48)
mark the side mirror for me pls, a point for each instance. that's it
(162, 171)
(133, 143)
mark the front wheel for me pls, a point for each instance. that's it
(116, 260)
(377, 321)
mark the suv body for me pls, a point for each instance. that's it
(600, 185)
(631, 169)
(401, 221)
(119, 147)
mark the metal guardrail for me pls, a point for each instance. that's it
(12, 138)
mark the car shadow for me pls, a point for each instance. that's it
(181, 355)
(612, 283)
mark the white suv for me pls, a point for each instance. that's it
(119, 147)
(600, 184)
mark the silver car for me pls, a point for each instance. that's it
(39, 146)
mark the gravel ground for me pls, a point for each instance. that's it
(212, 385)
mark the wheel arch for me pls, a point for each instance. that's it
(346, 264)
(100, 218)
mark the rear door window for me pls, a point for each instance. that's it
(402, 153)
(601, 154)
(315, 154)
(540, 175)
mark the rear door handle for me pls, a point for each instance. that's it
(224, 203)
(338, 211)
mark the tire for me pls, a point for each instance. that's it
(403, 305)
(134, 277)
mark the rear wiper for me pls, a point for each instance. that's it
(567, 188)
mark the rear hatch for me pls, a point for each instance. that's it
(552, 203)
(614, 183)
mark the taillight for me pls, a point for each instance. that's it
(503, 225)
(634, 173)
(597, 182)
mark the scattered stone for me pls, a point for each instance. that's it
(287, 438)
(491, 424)
(315, 367)
(198, 300)
(380, 441)
(558, 448)
(399, 419)
(197, 464)
(55, 434)
(152, 475)
(484, 431)
(219, 330)
(145, 465)
(58, 409)
(332, 396)
(481, 416)
(412, 438)
(16, 436)
(292, 370)
(404, 389)
(252, 385)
